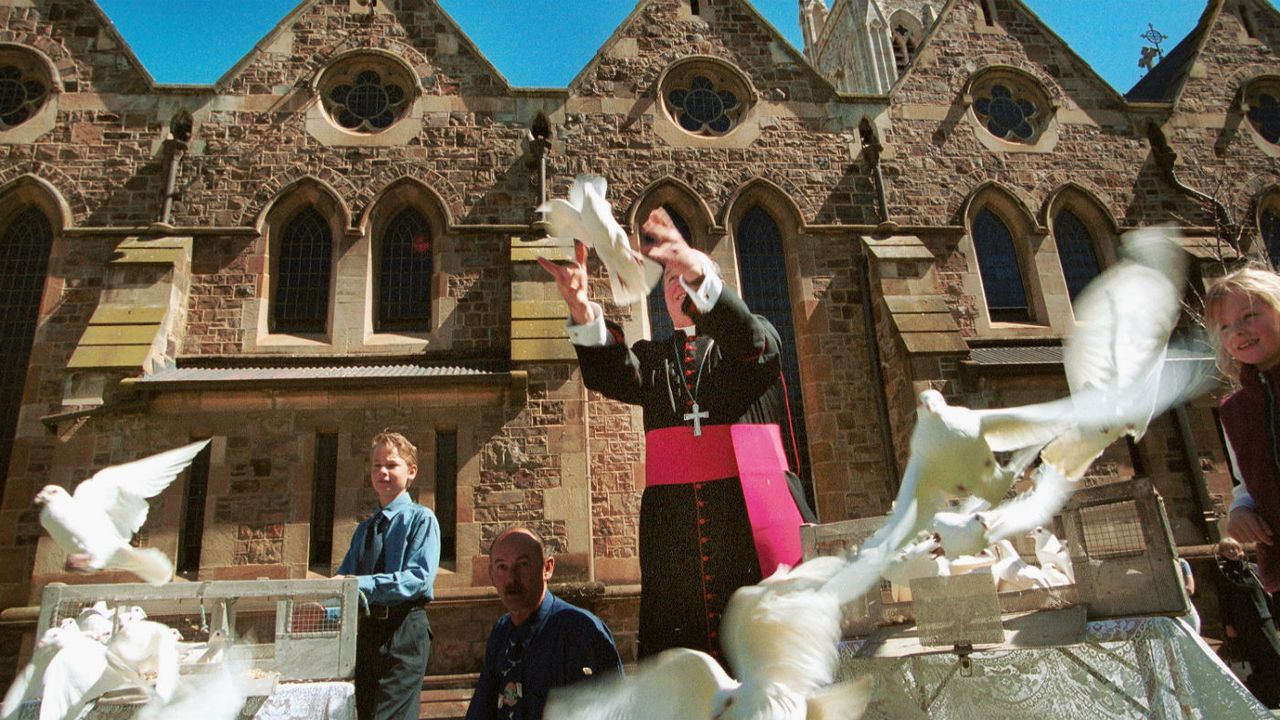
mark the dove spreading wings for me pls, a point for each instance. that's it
(1120, 377)
(67, 671)
(95, 524)
(587, 216)
(780, 637)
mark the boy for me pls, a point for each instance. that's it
(394, 555)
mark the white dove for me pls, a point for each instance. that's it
(216, 694)
(1012, 573)
(148, 648)
(921, 559)
(587, 216)
(68, 670)
(95, 524)
(780, 636)
(1119, 378)
(1052, 552)
(99, 622)
(1117, 358)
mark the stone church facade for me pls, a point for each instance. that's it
(338, 237)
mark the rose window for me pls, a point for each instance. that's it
(367, 93)
(21, 95)
(1007, 114)
(702, 109)
(1264, 114)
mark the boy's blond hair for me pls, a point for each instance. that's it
(1255, 283)
(394, 440)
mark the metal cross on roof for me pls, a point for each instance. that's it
(1152, 53)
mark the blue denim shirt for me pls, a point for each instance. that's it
(559, 645)
(411, 551)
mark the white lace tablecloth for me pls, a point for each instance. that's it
(1140, 668)
(290, 701)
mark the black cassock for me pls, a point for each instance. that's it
(696, 543)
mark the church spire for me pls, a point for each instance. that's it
(813, 16)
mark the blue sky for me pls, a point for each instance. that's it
(189, 41)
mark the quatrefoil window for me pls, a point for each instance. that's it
(366, 94)
(23, 92)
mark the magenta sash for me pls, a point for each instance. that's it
(752, 453)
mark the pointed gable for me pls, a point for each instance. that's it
(80, 41)
(422, 34)
(658, 33)
(1163, 82)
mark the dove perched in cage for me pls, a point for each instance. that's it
(1012, 573)
(97, 522)
(148, 649)
(780, 636)
(587, 216)
(1052, 552)
(68, 670)
(99, 621)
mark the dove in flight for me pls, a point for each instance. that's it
(780, 637)
(68, 670)
(147, 648)
(216, 694)
(95, 524)
(587, 216)
(1120, 377)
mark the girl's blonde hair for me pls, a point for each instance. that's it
(1254, 283)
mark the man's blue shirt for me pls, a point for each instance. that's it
(558, 645)
(411, 552)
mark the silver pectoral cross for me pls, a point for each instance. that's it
(697, 418)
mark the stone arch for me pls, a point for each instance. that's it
(73, 208)
(293, 180)
(29, 189)
(1025, 234)
(670, 190)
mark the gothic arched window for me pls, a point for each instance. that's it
(300, 303)
(763, 269)
(25, 243)
(1263, 98)
(405, 265)
(1075, 252)
(1269, 227)
(659, 319)
(998, 264)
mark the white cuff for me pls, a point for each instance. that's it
(708, 293)
(589, 334)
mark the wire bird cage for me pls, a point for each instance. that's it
(302, 630)
(1121, 548)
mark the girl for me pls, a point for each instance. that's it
(1242, 314)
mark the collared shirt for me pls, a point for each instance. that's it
(411, 552)
(558, 645)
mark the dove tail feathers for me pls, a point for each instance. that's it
(149, 564)
(18, 693)
(843, 701)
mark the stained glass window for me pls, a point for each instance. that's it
(24, 260)
(305, 258)
(705, 98)
(1264, 114)
(1007, 114)
(366, 94)
(765, 289)
(999, 268)
(1075, 252)
(22, 93)
(404, 273)
(659, 319)
(1269, 226)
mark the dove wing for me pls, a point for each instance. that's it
(73, 677)
(677, 683)
(629, 271)
(788, 638)
(584, 184)
(121, 490)
(564, 220)
(1014, 428)
(218, 694)
(1031, 509)
(29, 682)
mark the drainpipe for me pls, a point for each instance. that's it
(1165, 157)
(540, 144)
(175, 147)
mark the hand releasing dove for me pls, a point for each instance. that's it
(587, 216)
(780, 637)
(96, 523)
(1119, 376)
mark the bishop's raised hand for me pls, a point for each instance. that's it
(571, 281)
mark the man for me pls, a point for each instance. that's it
(719, 509)
(542, 642)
